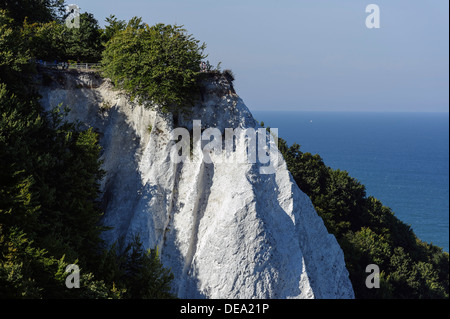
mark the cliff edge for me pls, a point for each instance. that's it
(225, 229)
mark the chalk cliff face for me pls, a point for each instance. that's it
(225, 229)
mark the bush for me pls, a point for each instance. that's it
(55, 41)
(159, 65)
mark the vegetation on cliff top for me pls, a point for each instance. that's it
(159, 64)
(49, 210)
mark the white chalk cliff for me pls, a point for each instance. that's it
(224, 229)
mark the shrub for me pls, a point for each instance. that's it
(158, 65)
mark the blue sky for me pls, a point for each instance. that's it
(315, 54)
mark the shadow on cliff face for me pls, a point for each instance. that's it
(133, 207)
(140, 196)
(186, 283)
(122, 183)
(280, 253)
(121, 187)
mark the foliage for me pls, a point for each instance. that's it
(369, 233)
(44, 41)
(29, 272)
(55, 41)
(84, 43)
(158, 65)
(48, 194)
(14, 55)
(33, 11)
(49, 209)
(113, 27)
(49, 189)
(45, 35)
(137, 272)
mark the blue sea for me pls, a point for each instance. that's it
(401, 158)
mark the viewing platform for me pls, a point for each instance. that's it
(55, 65)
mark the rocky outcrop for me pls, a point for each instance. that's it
(224, 229)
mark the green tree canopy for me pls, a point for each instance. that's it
(55, 41)
(33, 11)
(114, 25)
(84, 43)
(159, 64)
(14, 53)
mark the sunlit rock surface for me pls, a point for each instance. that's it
(224, 229)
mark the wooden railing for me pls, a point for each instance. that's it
(65, 65)
(85, 66)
